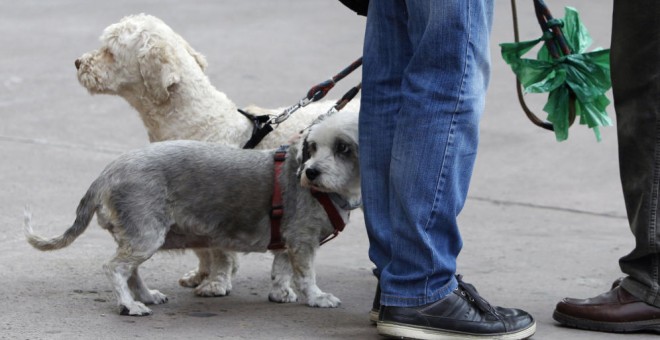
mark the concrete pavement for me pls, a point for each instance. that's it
(544, 219)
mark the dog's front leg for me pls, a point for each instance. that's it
(304, 276)
(281, 274)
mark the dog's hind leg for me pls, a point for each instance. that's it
(142, 292)
(281, 274)
(194, 277)
(218, 283)
(304, 276)
(122, 269)
(119, 270)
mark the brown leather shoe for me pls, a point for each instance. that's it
(615, 311)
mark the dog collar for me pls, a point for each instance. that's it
(343, 203)
(331, 210)
(329, 202)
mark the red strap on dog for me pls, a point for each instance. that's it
(277, 207)
(335, 218)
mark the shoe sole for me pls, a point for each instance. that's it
(401, 331)
(613, 327)
(373, 316)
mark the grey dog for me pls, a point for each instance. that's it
(190, 194)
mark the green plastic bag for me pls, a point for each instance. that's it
(586, 74)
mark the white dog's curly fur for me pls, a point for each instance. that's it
(153, 68)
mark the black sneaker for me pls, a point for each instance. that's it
(459, 315)
(375, 307)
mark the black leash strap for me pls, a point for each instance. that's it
(348, 96)
(319, 91)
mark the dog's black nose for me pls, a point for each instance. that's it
(312, 173)
(77, 64)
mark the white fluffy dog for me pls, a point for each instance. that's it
(153, 68)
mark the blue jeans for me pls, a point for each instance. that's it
(426, 67)
(636, 88)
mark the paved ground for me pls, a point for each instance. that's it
(544, 219)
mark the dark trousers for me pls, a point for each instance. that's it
(635, 62)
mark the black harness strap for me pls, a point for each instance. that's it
(260, 128)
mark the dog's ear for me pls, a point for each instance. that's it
(158, 70)
(302, 152)
(199, 58)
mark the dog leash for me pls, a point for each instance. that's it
(557, 46)
(262, 125)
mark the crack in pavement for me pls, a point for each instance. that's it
(547, 207)
(71, 146)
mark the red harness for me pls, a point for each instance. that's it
(277, 207)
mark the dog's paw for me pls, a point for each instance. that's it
(210, 288)
(284, 295)
(155, 298)
(192, 279)
(134, 309)
(324, 300)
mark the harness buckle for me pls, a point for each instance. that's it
(280, 154)
(276, 212)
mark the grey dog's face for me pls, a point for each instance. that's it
(333, 164)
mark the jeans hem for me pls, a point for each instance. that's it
(404, 301)
(642, 292)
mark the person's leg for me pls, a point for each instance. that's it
(633, 304)
(433, 103)
(434, 148)
(635, 63)
(386, 51)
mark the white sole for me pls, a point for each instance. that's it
(373, 316)
(409, 332)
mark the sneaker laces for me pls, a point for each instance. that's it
(473, 296)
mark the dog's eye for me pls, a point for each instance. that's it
(312, 147)
(108, 54)
(342, 148)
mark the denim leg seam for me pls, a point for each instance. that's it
(441, 178)
(467, 61)
(654, 215)
(450, 135)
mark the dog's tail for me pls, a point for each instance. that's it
(84, 214)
